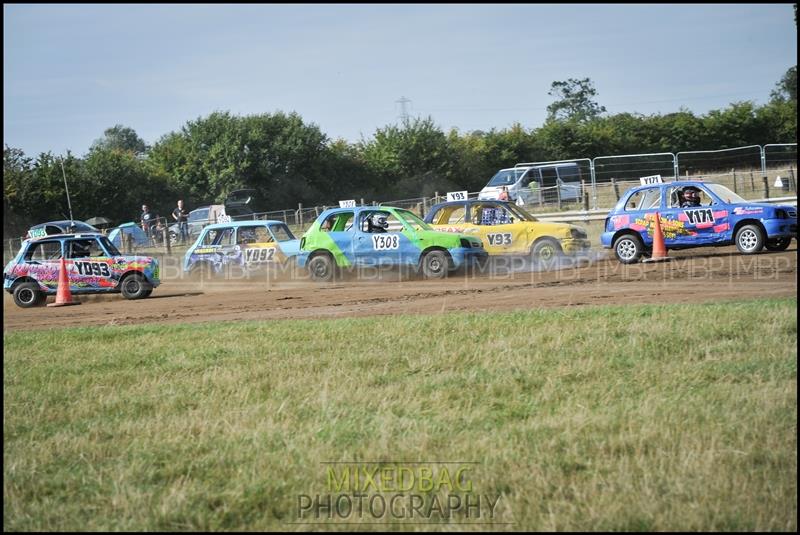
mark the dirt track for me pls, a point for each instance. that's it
(701, 275)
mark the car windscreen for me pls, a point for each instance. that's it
(110, 247)
(506, 177)
(724, 194)
(520, 213)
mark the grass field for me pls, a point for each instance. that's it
(676, 417)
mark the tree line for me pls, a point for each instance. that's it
(292, 161)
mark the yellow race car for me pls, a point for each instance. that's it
(505, 228)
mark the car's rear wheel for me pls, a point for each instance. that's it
(750, 239)
(135, 286)
(628, 248)
(435, 265)
(28, 294)
(778, 244)
(322, 268)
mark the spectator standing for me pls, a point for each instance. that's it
(181, 215)
(148, 220)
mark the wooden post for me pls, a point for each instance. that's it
(167, 245)
(585, 196)
(616, 187)
(558, 194)
(733, 172)
(792, 183)
(752, 182)
(300, 214)
(766, 188)
(128, 242)
(362, 201)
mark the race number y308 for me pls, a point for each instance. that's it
(384, 242)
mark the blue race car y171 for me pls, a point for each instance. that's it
(711, 215)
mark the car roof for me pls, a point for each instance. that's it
(249, 223)
(62, 223)
(67, 236)
(678, 183)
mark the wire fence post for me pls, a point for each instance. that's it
(733, 172)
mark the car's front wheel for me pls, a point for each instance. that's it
(778, 244)
(546, 252)
(750, 239)
(628, 248)
(135, 287)
(435, 265)
(28, 294)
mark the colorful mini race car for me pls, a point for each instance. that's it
(695, 214)
(505, 228)
(385, 236)
(93, 265)
(240, 248)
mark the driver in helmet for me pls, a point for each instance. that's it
(690, 197)
(377, 223)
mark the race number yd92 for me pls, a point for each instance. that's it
(383, 242)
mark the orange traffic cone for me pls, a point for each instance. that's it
(63, 296)
(659, 249)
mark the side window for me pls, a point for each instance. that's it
(644, 199)
(338, 222)
(378, 221)
(84, 249)
(43, 251)
(489, 214)
(245, 235)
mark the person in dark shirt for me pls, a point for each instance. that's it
(181, 215)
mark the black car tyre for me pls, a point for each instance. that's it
(135, 287)
(321, 268)
(546, 252)
(28, 294)
(628, 248)
(778, 244)
(749, 239)
(435, 265)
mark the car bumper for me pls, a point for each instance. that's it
(463, 257)
(780, 228)
(302, 259)
(573, 246)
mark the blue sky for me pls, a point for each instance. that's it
(71, 71)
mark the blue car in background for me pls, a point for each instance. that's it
(240, 248)
(721, 218)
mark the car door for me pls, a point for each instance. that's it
(372, 246)
(90, 268)
(704, 225)
(257, 246)
(638, 212)
(496, 227)
(42, 262)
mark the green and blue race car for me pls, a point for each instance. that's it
(383, 236)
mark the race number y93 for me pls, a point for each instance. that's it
(383, 242)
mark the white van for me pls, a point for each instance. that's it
(537, 183)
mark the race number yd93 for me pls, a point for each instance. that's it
(384, 242)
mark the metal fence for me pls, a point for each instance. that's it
(754, 172)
